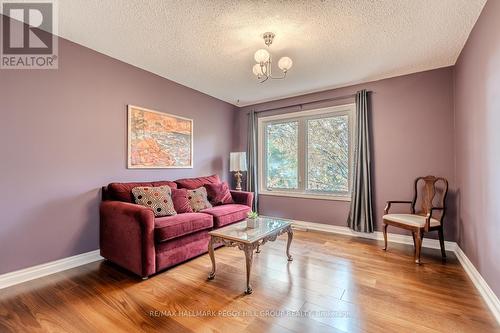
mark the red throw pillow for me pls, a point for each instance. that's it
(181, 201)
(219, 194)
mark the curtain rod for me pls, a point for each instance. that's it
(301, 105)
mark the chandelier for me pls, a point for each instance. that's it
(263, 68)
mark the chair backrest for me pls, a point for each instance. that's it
(430, 192)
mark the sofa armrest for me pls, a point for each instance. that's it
(127, 236)
(242, 197)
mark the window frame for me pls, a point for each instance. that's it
(302, 172)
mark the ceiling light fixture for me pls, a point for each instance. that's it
(263, 69)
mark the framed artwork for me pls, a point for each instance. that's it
(158, 140)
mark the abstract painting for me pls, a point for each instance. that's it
(158, 140)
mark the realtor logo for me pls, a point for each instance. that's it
(29, 38)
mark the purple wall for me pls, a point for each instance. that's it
(63, 135)
(412, 129)
(477, 109)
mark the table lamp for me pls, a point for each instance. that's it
(238, 163)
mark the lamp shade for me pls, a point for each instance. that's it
(285, 64)
(261, 56)
(238, 161)
(256, 70)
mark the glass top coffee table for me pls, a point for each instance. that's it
(249, 240)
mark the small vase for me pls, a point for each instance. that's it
(252, 223)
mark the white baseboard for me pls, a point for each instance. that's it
(35, 272)
(377, 235)
(484, 289)
(482, 286)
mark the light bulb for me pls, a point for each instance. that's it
(261, 56)
(285, 64)
(256, 70)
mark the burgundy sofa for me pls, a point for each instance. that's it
(131, 236)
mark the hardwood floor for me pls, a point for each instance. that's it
(338, 283)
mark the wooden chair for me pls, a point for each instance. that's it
(430, 217)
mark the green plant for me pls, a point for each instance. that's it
(252, 215)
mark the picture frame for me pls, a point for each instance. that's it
(158, 140)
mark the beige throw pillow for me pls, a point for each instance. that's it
(198, 199)
(158, 198)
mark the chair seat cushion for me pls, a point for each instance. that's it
(171, 227)
(227, 214)
(410, 219)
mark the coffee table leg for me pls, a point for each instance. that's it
(248, 259)
(211, 276)
(289, 242)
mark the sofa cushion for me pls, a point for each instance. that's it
(198, 199)
(193, 183)
(159, 199)
(218, 194)
(181, 201)
(123, 191)
(172, 185)
(171, 227)
(227, 214)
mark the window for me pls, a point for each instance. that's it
(282, 155)
(307, 154)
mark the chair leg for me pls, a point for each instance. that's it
(385, 236)
(441, 242)
(414, 243)
(418, 245)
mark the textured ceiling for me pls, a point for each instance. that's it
(209, 45)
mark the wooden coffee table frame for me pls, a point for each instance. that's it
(248, 248)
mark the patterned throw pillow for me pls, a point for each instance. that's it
(158, 198)
(219, 194)
(198, 199)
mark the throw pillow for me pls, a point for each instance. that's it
(198, 199)
(157, 198)
(219, 194)
(181, 201)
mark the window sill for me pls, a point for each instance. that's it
(305, 196)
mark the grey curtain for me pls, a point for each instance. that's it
(361, 213)
(252, 175)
